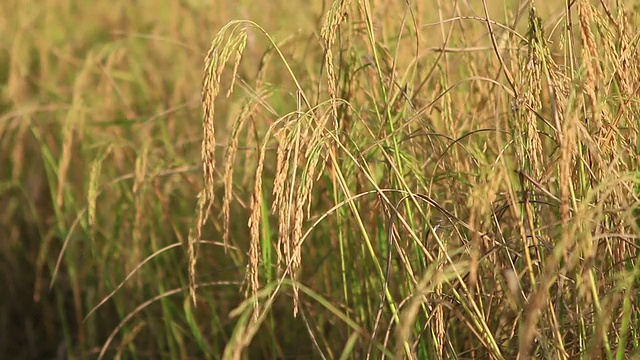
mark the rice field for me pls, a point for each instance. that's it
(189, 179)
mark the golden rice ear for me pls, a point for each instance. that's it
(589, 56)
(253, 268)
(530, 90)
(280, 204)
(230, 158)
(329, 31)
(221, 49)
(230, 41)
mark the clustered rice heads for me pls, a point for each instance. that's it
(297, 158)
(291, 192)
(537, 71)
(619, 75)
(590, 178)
(569, 145)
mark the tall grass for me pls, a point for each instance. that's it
(347, 179)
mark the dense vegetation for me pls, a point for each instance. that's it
(345, 179)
